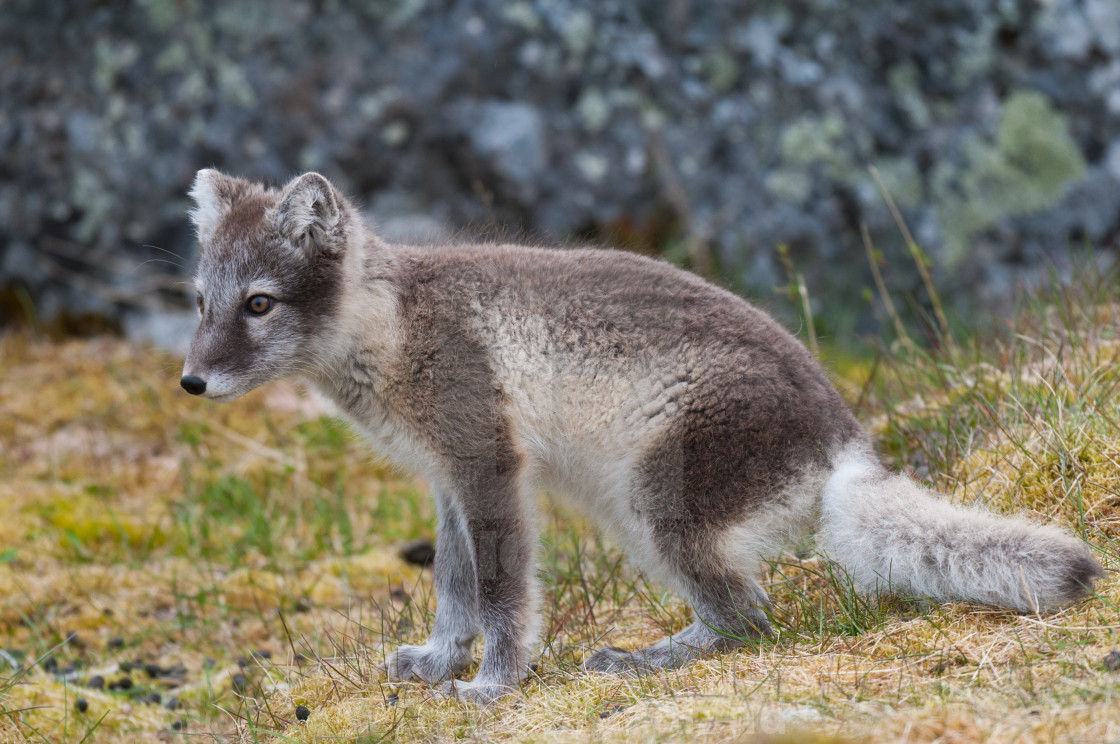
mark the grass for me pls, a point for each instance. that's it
(247, 554)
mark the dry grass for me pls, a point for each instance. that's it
(140, 525)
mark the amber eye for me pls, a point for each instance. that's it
(260, 304)
(198, 301)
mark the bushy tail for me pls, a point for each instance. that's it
(889, 532)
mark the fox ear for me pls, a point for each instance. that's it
(214, 195)
(309, 214)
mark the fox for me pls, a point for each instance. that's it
(689, 425)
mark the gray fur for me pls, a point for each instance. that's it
(698, 433)
(907, 540)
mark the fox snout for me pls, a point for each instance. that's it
(193, 385)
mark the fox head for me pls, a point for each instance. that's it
(269, 280)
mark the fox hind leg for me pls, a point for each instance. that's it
(730, 609)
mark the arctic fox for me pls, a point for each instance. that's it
(693, 428)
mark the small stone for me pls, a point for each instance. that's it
(302, 712)
(116, 642)
(243, 662)
(154, 698)
(83, 705)
(263, 653)
(392, 699)
(126, 666)
(50, 665)
(239, 682)
(179, 725)
(124, 683)
(153, 670)
(96, 682)
(173, 704)
(1112, 661)
(534, 667)
(176, 670)
(418, 552)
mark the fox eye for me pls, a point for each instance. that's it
(259, 304)
(198, 301)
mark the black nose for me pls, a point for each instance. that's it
(193, 385)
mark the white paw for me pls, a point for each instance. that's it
(479, 692)
(429, 663)
(616, 661)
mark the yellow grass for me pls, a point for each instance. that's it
(197, 534)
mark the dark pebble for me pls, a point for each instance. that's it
(533, 668)
(302, 712)
(243, 662)
(393, 699)
(126, 666)
(611, 711)
(83, 705)
(179, 725)
(153, 670)
(50, 665)
(124, 683)
(154, 698)
(173, 704)
(303, 605)
(264, 653)
(116, 642)
(176, 670)
(75, 640)
(418, 552)
(239, 682)
(96, 682)
(1112, 661)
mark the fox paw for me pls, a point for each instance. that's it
(479, 692)
(428, 663)
(617, 661)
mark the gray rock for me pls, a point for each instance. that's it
(750, 124)
(511, 137)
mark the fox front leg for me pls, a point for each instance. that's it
(501, 535)
(448, 649)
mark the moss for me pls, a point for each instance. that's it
(790, 184)
(721, 69)
(521, 14)
(901, 179)
(594, 110)
(904, 84)
(1025, 170)
(811, 139)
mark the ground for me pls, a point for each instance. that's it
(236, 561)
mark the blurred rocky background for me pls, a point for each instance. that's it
(709, 132)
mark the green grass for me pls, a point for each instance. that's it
(138, 524)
